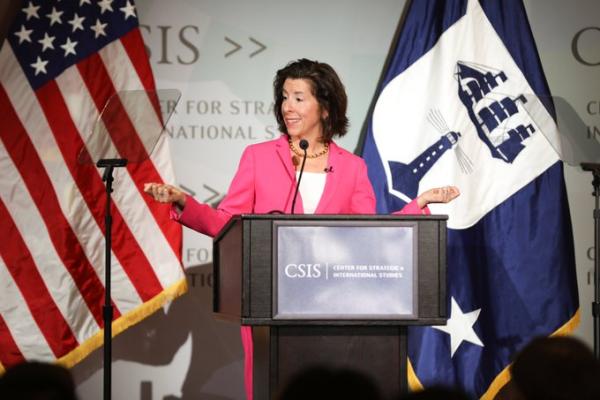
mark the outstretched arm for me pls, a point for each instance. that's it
(202, 217)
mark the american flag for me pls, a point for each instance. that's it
(60, 63)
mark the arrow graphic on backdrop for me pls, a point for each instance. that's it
(213, 199)
(215, 196)
(237, 46)
(187, 190)
(261, 46)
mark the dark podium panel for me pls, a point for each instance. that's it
(245, 258)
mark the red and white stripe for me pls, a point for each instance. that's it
(52, 208)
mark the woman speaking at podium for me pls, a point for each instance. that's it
(310, 108)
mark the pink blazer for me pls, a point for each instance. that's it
(266, 179)
(265, 182)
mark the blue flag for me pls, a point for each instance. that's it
(451, 109)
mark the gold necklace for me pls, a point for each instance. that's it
(301, 154)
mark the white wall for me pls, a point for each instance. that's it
(555, 24)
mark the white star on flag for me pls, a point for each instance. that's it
(31, 11)
(105, 5)
(46, 42)
(69, 47)
(24, 35)
(77, 22)
(98, 28)
(51, 219)
(460, 327)
(128, 10)
(55, 16)
(39, 65)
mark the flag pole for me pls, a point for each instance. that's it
(595, 170)
(109, 164)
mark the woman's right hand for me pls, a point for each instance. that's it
(164, 193)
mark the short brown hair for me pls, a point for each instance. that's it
(327, 89)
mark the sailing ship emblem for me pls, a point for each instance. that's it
(497, 118)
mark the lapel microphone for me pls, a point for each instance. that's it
(328, 169)
(303, 145)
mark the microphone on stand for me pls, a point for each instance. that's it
(303, 145)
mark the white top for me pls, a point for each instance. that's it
(311, 189)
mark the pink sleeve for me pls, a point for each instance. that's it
(363, 198)
(239, 200)
(414, 209)
(201, 217)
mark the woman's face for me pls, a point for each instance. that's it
(301, 110)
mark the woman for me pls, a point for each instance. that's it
(310, 105)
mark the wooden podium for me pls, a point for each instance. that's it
(251, 289)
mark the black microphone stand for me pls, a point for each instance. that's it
(109, 164)
(303, 145)
(595, 170)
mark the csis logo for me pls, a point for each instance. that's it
(303, 271)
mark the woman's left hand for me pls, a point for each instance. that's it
(438, 195)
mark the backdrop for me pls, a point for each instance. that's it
(222, 56)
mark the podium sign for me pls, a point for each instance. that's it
(340, 270)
